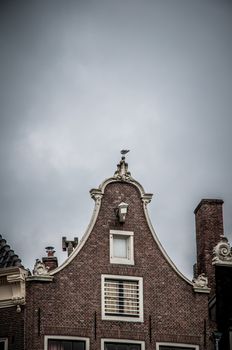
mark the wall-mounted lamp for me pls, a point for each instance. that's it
(122, 211)
(217, 337)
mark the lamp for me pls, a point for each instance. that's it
(217, 337)
(122, 211)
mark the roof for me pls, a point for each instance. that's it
(8, 257)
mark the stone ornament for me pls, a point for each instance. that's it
(122, 172)
(201, 281)
(147, 198)
(39, 268)
(18, 301)
(96, 194)
(222, 253)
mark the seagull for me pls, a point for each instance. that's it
(125, 151)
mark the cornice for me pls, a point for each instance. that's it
(40, 278)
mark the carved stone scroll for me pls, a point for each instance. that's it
(222, 253)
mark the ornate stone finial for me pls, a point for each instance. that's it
(69, 246)
(200, 284)
(39, 268)
(122, 173)
(222, 253)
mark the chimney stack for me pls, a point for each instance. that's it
(69, 246)
(50, 261)
(209, 229)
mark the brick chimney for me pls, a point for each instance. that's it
(50, 261)
(209, 228)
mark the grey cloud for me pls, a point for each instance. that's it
(82, 79)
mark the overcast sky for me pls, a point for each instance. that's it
(80, 80)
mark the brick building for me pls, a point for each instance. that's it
(118, 289)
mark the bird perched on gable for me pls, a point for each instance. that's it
(124, 151)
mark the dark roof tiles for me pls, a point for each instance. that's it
(8, 258)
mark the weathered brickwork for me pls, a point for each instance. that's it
(71, 304)
(209, 229)
(12, 327)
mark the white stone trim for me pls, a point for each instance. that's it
(6, 303)
(5, 341)
(180, 345)
(64, 337)
(222, 253)
(12, 291)
(110, 340)
(120, 318)
(130, 253)
(40, 278)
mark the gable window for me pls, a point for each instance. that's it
(122, 298)
(65, 343)
(122, 247)
(3, 344)
(172, 346)
(122, 344)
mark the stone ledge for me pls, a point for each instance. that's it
(201, 290)
(40, 278)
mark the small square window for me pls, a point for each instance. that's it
(122, 298)
(122, 247)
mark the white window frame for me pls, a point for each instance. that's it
(122, 318)
(106, 340)
(64, 337)
(180, 345)
(5, 342)
(129, 260)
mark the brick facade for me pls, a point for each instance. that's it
(68, 300)
(12, 327)
(71, 304)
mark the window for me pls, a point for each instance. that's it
(3, 344)
(65, 343)
(122, 298)
(122, 247)
(115, 344)
(172, 346)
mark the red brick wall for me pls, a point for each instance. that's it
(68, 305)
(12, 327)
